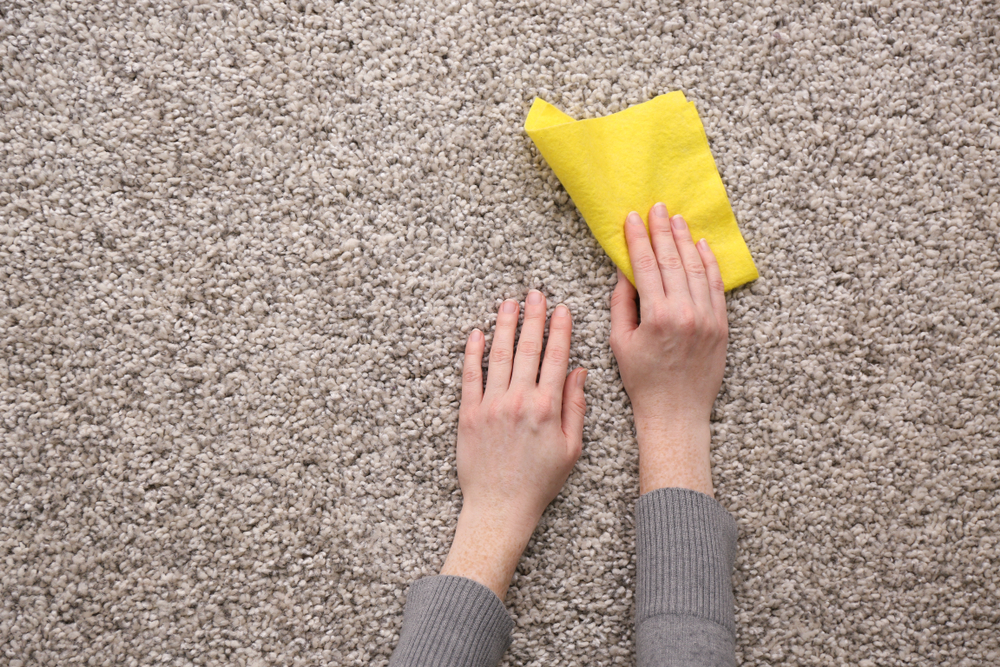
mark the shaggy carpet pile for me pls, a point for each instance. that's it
(241, 245)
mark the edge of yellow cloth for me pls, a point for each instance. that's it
(608, 164)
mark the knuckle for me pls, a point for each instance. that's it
(529, 348)
(670, 262)
(660, 318)
(716, 284)
(545, 408)
(685, 322)
(659, 235)
(695, 269)
(687, 327)
(513, 407)
(470, 375)
(556, 352)
(661, 226)
(500, 355)
(562, 324)
(618, 298)
(645, 263)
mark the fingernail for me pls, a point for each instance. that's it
(703, 244)
(678, 223)
(634, 218)
(476, 335)
(508, 306)
(534, 297)
(581, 379)
(561, 311)
(660, 210)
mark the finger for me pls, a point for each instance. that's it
(668, 258)
(624, 314)
(574, 409)
(529, 345)
(716, 287)
(556, 361)
(472, 370)
(502, 350)
(693, 266)
(648, 282)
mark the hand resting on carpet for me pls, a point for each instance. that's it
(671, 348)
(517, 440)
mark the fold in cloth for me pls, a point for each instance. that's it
(654, 151)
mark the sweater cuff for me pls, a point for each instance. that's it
(452, 621)
(686, 549)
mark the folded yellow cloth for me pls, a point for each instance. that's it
(628, 161)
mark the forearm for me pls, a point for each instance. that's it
(686, 548)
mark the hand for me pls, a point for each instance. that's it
(672, 363)
(517, 441)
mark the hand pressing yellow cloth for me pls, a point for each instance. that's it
(628, 161)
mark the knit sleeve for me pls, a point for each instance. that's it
(686, 549)
(452, 621)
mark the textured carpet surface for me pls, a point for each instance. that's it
(240, 249)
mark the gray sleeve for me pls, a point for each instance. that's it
(685, 551)
(452, 621)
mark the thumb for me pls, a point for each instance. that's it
(574, 408)
(624, 313)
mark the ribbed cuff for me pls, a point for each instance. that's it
(452, 621)
(685, 552)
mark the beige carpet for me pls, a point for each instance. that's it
(240, 249)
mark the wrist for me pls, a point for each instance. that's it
(666, 426)
(670, 413)
(487, 548)
(674, 452)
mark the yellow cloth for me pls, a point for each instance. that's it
(628, 161)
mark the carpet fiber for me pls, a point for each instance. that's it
(240, 250)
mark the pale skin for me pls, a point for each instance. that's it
(519, 438)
